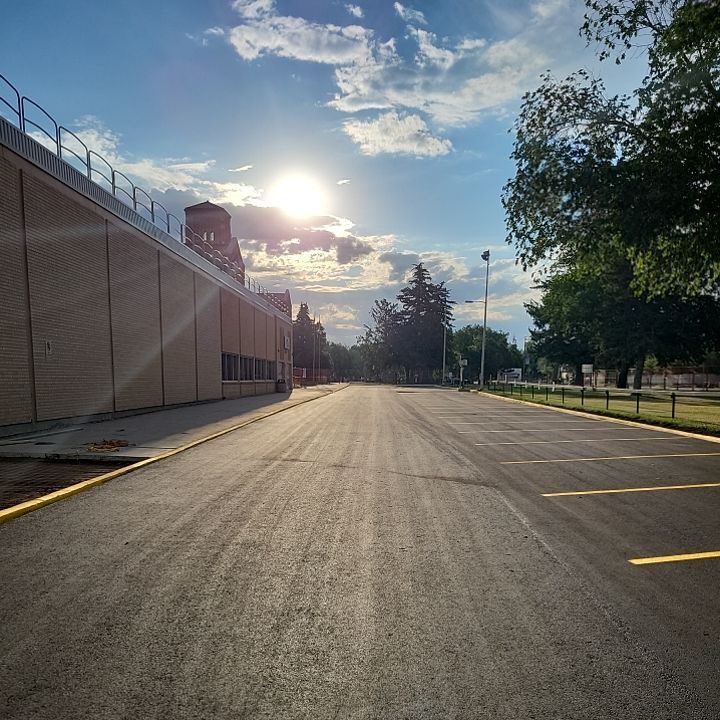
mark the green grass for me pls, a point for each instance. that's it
(695, 414)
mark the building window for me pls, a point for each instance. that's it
(261, 369)
(271, 370)
(230, 367)
(246, 368)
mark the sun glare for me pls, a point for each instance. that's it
(298, 195)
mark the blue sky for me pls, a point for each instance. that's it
(394, 117)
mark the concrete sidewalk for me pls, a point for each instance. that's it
(139, 437)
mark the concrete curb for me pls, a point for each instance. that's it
(31, 505)
(619, 421)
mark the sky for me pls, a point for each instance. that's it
(347, 140)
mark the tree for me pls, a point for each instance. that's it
(499, 353)
(425, 309)
(309, 341)
(340, 361)
(588, 314)
(640, 173)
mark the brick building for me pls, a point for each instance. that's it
(103, 312)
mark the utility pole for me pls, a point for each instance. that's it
(313, 356)
(442, 382)
(486, 257)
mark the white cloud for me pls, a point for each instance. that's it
(409, 15)
(454, 85)
(298, 39)
(344, 181)
(431, 54)
(546, 9)
(394, 133)
(203, 37)
(242, 168)
(254, 8)
(335, 313)
(355, 10)
(450, 82)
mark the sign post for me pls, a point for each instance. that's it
(463, 365)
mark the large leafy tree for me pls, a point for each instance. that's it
(640, 173)
(500, 354)
(346, 362)
(588, 315)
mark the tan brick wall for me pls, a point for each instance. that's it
(247, 329)
(16, 404)
(231, 391)
(284, 329)
(230, 322)
(209, 369)
(178, 331)
(67, 265)
(270, 338)
(135, 317)
(101, 296)
(260, 333)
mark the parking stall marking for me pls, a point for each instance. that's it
(560, 429)
(675, 558)
(517, 422)
(651, 488)
(612, 457)
(583, 440)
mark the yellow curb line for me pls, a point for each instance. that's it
(619, 421)
(30, 505)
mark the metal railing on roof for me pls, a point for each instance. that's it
(24, 112)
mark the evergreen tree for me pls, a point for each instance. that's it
(310, 347)
(425, 308)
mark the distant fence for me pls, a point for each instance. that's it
(702, 408)
(675, 379)
(306, 376)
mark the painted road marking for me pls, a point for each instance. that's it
(517, 422)
(555, 442)
(652, 488)
(494, 417)
(675, 558)
(516, 413)
(560, 429)
(612, 457)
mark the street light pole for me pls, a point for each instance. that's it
(486, 257)
(442, 381)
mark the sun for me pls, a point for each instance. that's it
(298, 195)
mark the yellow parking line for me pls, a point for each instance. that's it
(514, 422)
(675, 558)
(652, 488)
(582, 440)
(549, 430)
(616, 457)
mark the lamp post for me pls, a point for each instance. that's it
(442, 381)
(486, 257)
(445, 324)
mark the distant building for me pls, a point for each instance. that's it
(212, 223)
